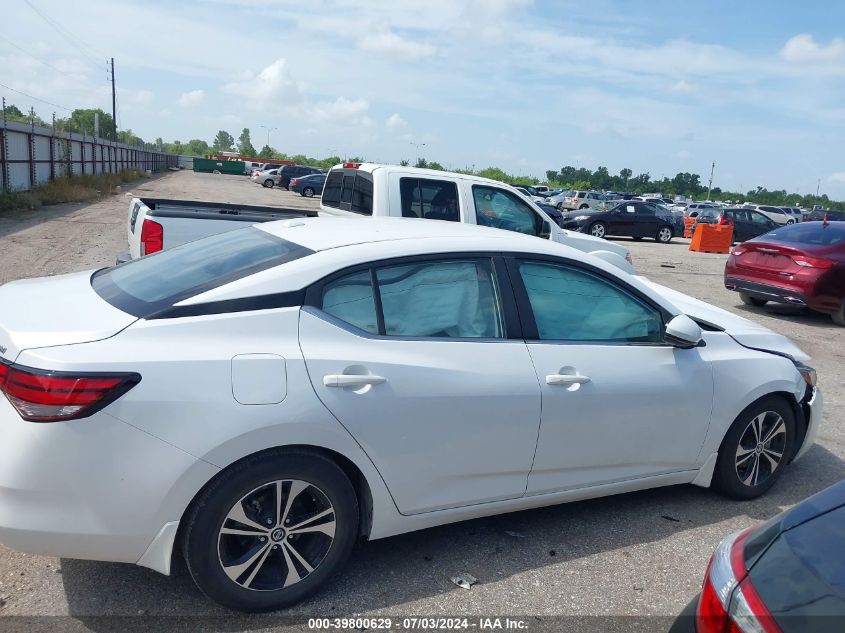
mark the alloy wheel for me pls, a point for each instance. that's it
(761, 448)
(597, 230)
(664, 235)
(276, 535)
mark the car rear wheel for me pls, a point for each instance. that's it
(752, 301)
(269, 183)
(308, 192)
(584, 206)
(598, 229)
(755, 449)
(271, 530)
(664, 235)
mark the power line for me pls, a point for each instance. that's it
(66, 34)
(8, 41)
(55, 105)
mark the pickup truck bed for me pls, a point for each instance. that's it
(170, 223)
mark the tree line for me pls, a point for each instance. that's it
(82, 121)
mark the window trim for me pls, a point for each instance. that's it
(508, 311)
(526, 312)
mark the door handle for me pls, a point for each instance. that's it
(352, 380)
(566, 379)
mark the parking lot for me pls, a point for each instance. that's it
(638, 554)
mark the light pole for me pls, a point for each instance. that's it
(418, 146)
(269, 129)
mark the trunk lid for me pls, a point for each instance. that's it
(768, 258)
(49, 311)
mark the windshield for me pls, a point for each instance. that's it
(147, 285)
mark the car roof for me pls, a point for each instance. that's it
(433, 173)
(323, 233)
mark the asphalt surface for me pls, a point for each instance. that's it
(640, 554)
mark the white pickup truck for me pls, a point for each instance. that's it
(373, 190)
(156, 224)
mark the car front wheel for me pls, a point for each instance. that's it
(269, 184)
(755, 449)
(598, 229)
(270, 530)
(308, 192)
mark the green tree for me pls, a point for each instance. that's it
(435, 165)
(624, 174)
(404, 163)
(197, 147)
(223, 142)
(82, 120)
(245, 144)
(266, 152)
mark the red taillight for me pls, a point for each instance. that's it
(295, 181)
(725, 220)
(351, 165)
(729, 603)
(41, 396)
(152, 237)
(811, 262)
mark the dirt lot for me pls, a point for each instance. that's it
(637, 554)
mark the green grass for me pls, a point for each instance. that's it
(74, 189)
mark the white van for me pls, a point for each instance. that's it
(368, 189)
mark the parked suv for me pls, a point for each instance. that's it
(747, 223)
(775, 213)
(583, 200)
(288, 172)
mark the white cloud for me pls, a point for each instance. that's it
(838, 176)
(395, 122)
(391, 44)
(273, 86)
(192, 98)
(682, 86)
(803, 48)
(342, 110)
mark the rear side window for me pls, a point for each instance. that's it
(349, 189)
(815, 233)
(429, 199)
(148, 285)
(438, 299)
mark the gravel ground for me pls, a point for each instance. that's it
(636, 554)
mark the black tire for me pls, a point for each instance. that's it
(583, 206)
(205, 546)
(664, 235)
(839, 316)
(308, 192)
(734, 475)
(752, 301)
(268, 183)
(598, 229)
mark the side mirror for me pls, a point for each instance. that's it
(545, 231)
(682, 332)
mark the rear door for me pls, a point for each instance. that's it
(645, 222)
(414, 358)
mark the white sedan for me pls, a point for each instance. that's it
(270, 395)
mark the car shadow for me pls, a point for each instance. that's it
(403, 569)
(792, 314)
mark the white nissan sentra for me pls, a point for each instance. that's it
(270, 395)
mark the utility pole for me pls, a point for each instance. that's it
(269, 129)
(710, 184)
(113, 104)
(418, 146)
(818, 184)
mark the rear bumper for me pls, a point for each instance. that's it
(768, 292)
(94, 488)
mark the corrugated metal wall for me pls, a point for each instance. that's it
(32, 156)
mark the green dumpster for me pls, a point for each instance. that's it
(210, 166)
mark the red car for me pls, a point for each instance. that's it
(799, 264)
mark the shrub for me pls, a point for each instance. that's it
(73, 189)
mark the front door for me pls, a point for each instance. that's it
(413, 360)
(618, 403)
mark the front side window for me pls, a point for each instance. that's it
(574, 305)
(430, 199)
(759, 218)
(503, 210)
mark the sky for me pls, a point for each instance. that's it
(658, 86)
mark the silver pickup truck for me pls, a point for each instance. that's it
(156, 224)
